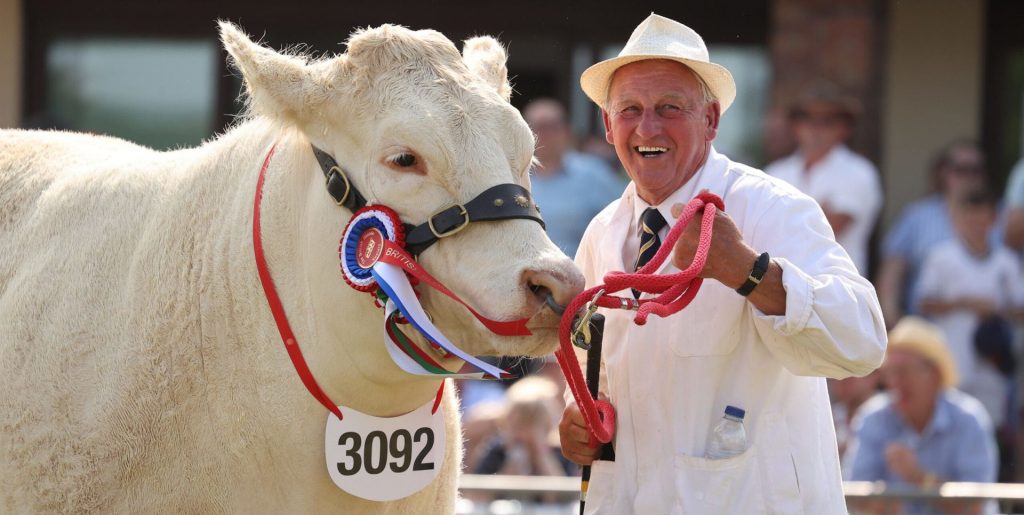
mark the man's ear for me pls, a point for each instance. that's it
(712, 116)
(607, 126)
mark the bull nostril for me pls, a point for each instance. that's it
(555, 288)
(540, 291)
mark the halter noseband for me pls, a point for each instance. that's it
(504, 201)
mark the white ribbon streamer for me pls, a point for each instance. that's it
(393, 281)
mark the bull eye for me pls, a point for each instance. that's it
(404, 160)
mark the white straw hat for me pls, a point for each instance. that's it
(658, 37)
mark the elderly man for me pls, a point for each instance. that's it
(923, 431)
(784, 308)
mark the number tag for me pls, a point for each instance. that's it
(383, 459)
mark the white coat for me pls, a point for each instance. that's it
(671, 379)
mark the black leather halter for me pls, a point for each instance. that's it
(500, 202)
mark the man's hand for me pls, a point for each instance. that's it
(902, 461)
(729, 258)
(572, 431)
(730, 261)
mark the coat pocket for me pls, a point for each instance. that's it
(718, 486)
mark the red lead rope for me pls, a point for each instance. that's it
(675, 291)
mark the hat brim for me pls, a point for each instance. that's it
(596, 79)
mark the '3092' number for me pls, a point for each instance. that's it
(379, 450)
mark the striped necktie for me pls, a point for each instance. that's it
(651, 223)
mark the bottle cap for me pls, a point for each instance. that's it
(734, 411)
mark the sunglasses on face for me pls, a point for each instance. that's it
(817, 118)
(965, 168)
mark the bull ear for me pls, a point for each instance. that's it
(279, 86)
(486, 58)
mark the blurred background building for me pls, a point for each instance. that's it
(925, 71)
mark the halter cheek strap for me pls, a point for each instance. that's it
(338, 185)
(504, 201)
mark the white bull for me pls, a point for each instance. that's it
(140, 367)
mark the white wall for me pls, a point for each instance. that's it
(933, 89)
(10, 62)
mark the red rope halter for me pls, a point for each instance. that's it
(675, 292)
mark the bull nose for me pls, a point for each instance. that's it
(561, 284)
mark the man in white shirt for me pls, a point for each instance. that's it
(845, 184)
(762, 333)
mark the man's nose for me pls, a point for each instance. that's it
(649, 125)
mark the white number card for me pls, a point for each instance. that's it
(383, 459)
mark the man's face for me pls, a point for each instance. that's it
(912, 381)
(819, 126)
(547, 120)
(659, 124)
(965, 170)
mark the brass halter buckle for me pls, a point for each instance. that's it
(461, 226)
(348, 186)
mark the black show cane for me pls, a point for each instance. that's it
(593, 378)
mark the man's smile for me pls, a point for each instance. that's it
(651, 151)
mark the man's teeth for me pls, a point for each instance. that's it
(647, 151)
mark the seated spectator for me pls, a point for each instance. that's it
(524, 444)
(922, 431)
(958, 167)
(966, 280)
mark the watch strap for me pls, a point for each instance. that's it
(756, 274)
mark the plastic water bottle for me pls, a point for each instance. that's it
(728, 438)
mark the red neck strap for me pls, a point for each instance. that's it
(277, 308)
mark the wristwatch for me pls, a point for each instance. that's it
(756, 274)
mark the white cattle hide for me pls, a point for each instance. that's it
(140, 367)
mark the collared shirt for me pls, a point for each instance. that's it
(956, 445)
(671, 379)
(846, 183)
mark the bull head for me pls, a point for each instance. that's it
(417, 127)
